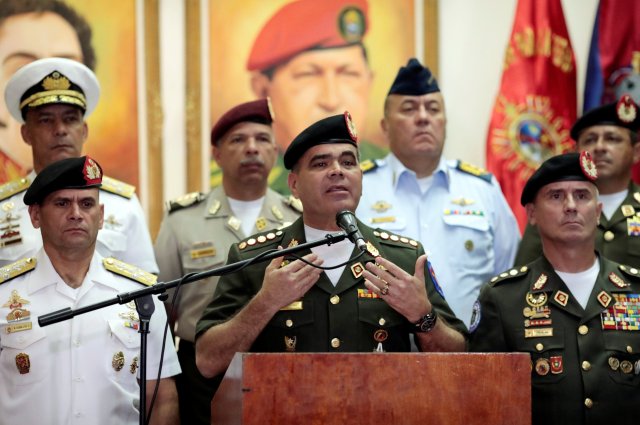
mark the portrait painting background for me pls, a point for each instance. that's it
(234, 25)
(113, 126)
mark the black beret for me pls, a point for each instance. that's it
(70, 173)
(334, 129)
(566, 167)
(414, 80)
(256, 111)
(624, 113)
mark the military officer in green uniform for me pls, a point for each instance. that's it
(610, 134)
(576, 312)
(372, 303)
(198, 229)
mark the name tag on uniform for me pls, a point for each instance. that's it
(538, 333)
(387, 219)
(296, 305)
(19, 327)
(201, 253)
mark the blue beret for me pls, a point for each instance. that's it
(334, 129)
(414, 80)
(566, 167)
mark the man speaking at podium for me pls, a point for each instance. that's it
(373, 303)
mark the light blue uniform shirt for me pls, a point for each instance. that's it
(463, 221)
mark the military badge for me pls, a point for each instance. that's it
(353, 133)
(215, 206)
(92, 173)
(536, 300)
(626, 109)
(541, 282)
(277, 213)
(23, 363)
(588, 166)
(617, 280)
(614, 363)
(380, 335)
(538, 332)
(381, 206)
(134, 365)
(556, 364)
(626, 366)
(117, 361)
(234, 223)
(357, 269)
(352, 24)
(372, 250)
(261, 223)
(542, 366)
(623, 315)
(628, 210)
(475, 317)
(15, 301)
(633, 226)
(111, 222)
(561, 298)
(432, 273)
(290, 343)
(540, 312)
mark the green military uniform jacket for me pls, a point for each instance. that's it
(344, 318)
(585, 369)
(613, 239)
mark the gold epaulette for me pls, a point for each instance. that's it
(9, 189)
(368, 165)
(185, 201)
(386, 236)
(629, 271)
(465, 167)
(117, 187)
(16, 269)
(131, 272)
(294, 203)
(515, 272)
(260, 239)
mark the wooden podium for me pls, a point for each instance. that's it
(375, 388)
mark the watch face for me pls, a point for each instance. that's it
(428, 322)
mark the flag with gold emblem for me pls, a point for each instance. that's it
(536, 103)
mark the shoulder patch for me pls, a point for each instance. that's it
(117, 187)
(9, 189)
(629, 271)
(184, 201)
(294, 203)
(396, 239)
(465, 167)
(16, 269)
(130, 272)
(506, 275)
(260, 240)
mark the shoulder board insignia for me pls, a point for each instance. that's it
(401, 240)
(465, 167)
(9, 189)
(629, 271)
(130, 272)
(16, 269)
(504, 276)
(256, 241)
(294, 203)
(368, 165)
(184, 201)
(117, 187)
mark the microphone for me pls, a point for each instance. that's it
(347, 222)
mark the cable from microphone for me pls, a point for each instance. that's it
(346, 220)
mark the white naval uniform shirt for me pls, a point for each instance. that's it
(463, 222)
(71, 378)
(124, 235)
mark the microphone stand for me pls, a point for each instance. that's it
(145, 312)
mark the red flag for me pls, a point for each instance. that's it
(536, 105)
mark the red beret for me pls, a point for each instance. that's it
(308, 24)
(256, 111)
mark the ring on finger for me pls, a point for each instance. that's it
(385, 289)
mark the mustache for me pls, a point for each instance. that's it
(253, 160)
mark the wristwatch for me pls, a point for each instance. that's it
(427, 322)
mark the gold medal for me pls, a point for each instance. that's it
(536, 300)
(380, 335)
(542, 366)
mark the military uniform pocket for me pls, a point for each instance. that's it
(623, 351)
(23, 356)
(547, 355)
